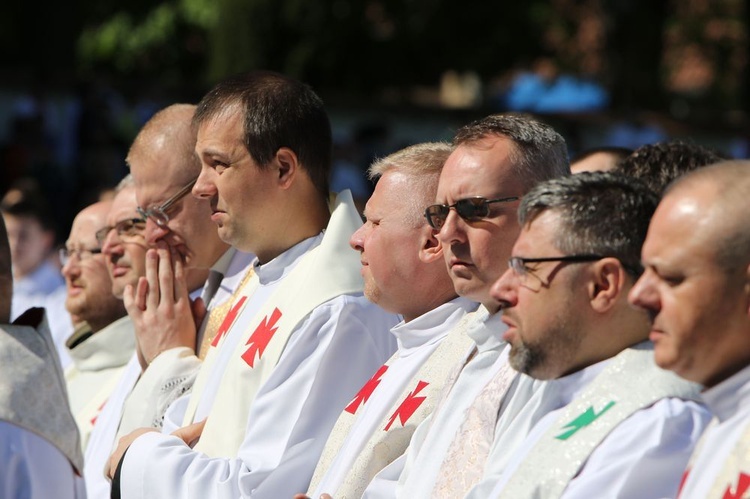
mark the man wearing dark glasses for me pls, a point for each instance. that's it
(616, 418)
(496, 160)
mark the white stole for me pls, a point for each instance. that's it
(329, 270)
(392, 436)
(629, 383)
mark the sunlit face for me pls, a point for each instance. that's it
(125, 254)
(30, 243)
(239, 192)
(389, 243)
(697, 308)
(88, 283)
(543, 321)
(476, 252)
(158, 172)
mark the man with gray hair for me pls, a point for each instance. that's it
(496, 160)
(696, 290)
(404, 273)
(617, 417)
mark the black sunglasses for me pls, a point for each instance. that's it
(471, 209)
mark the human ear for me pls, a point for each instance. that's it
(608, 278)
(288, 165)
(430, 249)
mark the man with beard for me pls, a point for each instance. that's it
(624, 427)
(103, 340)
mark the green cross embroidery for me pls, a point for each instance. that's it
(584, 419)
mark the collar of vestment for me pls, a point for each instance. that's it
(567, 388)
(109, 347)
(429, 327)
(487, 331)
(278, 268)
(728, 396)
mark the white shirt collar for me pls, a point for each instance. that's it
(431, 326)
(726, 398)
(278, 267)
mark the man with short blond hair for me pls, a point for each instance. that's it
(404, 273)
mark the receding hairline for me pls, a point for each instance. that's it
(174, 124)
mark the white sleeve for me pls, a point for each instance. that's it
(328, 358)
(384, 485)
(645, 455)
(170, 375)
(34, 468)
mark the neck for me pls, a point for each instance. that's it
(196, 278)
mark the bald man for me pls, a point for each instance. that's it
(696, 290)
(103, 340)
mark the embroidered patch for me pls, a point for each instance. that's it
(407, 408)
(226, 324)
(258, 341)
(366, 391)
(743, 484)
(584, 419)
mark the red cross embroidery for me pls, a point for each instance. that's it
(743, 484)
(682, 481)
(366, 391)
(410, 404)
(226, 324)
(98, 411)
(258, 341)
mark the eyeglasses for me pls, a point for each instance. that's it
(470, 209)
(82, 254)
(519, 266)
(159, 213)
(126, 229)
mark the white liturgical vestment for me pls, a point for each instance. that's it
(626, 430)
(39, 443)
(283, 368)
(416, 473)
(720, 466)
(98, 364)
(129, 408)
(367, 436)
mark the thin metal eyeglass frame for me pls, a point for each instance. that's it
(102, 233)
(159, 213)
(447, 207)
(65, 254)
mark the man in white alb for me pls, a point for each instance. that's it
(404, 273)
(624, 427)
(496, 160)
(695, 291)
(299, 340)
(103, 340)
(162, 159)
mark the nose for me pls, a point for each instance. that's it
(154, 232)
(505, 290)
(451, 229)
(357, 241)
(70, 269)
(204, 187)
(111, 243)
(643, 294)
